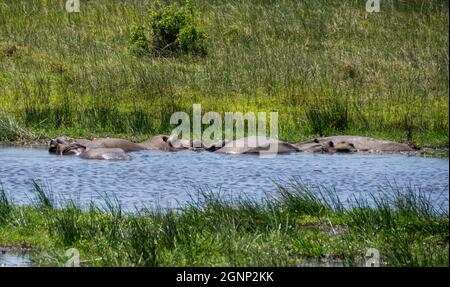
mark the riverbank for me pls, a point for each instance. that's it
(335, 69)
(13, 133)
(299, 226)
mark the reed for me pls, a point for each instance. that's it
(298, 226)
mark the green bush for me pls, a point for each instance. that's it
(173, 29)
(190, 39)
(139, 40)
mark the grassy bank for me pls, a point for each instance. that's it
(327, 66)
(299, 226)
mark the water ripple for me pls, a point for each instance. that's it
(167, 178)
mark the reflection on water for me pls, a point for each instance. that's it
(167, 179)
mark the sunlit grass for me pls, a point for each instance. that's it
(389, 70)
(298, 226)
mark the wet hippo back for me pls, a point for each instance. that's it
(105, 154)
(352, 144)
(257, 145)
(158, 142)
(123, 144)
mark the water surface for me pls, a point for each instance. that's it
(168, 179)
(14, 259)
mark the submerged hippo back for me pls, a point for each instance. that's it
(106, 154)
(352, 144)
(159, 142)
(123, 144)
(257, 145)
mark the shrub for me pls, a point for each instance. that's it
(190, 39)
(173, 29)
(139, 41)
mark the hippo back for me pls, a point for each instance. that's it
(257, 145)
(105, 154)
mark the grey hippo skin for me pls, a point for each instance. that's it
(116, 149)
(105, 154)
(352, 144)
(257, 145)
(123, 144)
(110, 148)
(66, 146)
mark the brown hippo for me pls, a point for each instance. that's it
(257, 145)
(66, 146)
(352, 144)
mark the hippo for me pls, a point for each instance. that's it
(257, 145)
(168, 143)
(125, 145)
(111, 148)
(115, 148)
(351, 144)
(66, 146)
(105, 154)
(105, 149)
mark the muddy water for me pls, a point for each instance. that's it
(169, 179)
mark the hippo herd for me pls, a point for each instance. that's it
(118, 149)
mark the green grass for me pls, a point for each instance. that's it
(12, 130)
(327, 66)
(299, 226)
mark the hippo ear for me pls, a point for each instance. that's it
(330, 144)
(316, 140)
(62, 140)
(352, 145)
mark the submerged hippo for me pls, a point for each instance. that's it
(257, 145)
(114, 148)
(89, 149)
(105, 154)
(352, 144)
(111, 148)
(66, 146)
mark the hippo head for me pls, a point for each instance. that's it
(65, 146)
(344, 146)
